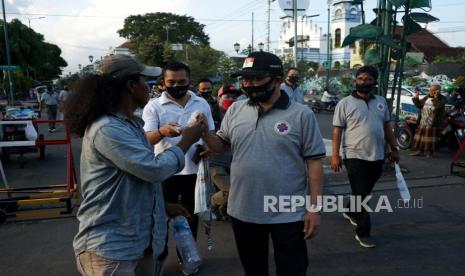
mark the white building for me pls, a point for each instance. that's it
(344, 16)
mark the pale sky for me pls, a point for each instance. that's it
(88, 27)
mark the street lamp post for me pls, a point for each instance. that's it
(302, 38)
(29, 19)
(294, 15)
(8, 57)
(237, 47)
(167, 28)
(328, 58)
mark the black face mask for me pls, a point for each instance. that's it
(260, 94)
(293, 79)
(177, 92)
(206, 94)
(364, 88)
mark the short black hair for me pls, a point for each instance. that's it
(176, 66)
(204, 80)
(368, 69)
(292, 68)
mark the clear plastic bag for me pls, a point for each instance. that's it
(203, 192)
(401, 185)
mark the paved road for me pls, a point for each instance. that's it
(412, 241)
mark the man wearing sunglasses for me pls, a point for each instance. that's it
(276, 146)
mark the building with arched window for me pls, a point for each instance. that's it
(345, 17)
(313, 43)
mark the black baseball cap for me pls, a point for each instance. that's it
(260, 63)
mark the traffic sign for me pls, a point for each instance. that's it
(288, 7)
(9, 67)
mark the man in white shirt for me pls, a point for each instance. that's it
(61, 102)
(164, 119)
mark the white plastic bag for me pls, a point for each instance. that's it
(201, 200)
(401, 185)
(194, 117)
(203, 192)
(30, 131)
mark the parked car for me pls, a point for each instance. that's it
(407, 108)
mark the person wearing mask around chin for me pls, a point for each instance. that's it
(277, 151)
(164, 118)
(363, 121)
(291, 85)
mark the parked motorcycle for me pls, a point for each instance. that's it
(453, 130)
(406, 129)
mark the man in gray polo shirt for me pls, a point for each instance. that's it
(291, 85)
(51, 100)
(363, 121)
(277, 149)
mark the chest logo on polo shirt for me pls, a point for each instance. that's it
(380, 106)
(282, 127)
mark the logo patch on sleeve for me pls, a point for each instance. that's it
(380, 107)
(282, 128)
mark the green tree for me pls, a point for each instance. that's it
(202, 60)
(38, 59)
(21, 84)
(306, 68)
(68, 80)
(149, 32)
(443, 58)
(227, 66)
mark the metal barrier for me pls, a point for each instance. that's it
(34, 199)
(458, 163)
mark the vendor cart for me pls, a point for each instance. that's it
(13, 129)
(43, 201)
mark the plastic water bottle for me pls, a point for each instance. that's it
(186, 245)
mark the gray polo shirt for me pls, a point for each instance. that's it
(363, 126)
(295, 94)
(50, 99)
(269, 152)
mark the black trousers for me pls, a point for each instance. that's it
(290, 250)
(181, 189)
(362, 177)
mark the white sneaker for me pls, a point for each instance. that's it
(366, 242)
(350, 219)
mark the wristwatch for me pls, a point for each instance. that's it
(315, 208)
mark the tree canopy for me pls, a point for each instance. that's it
(37, 58)
(149, 33)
